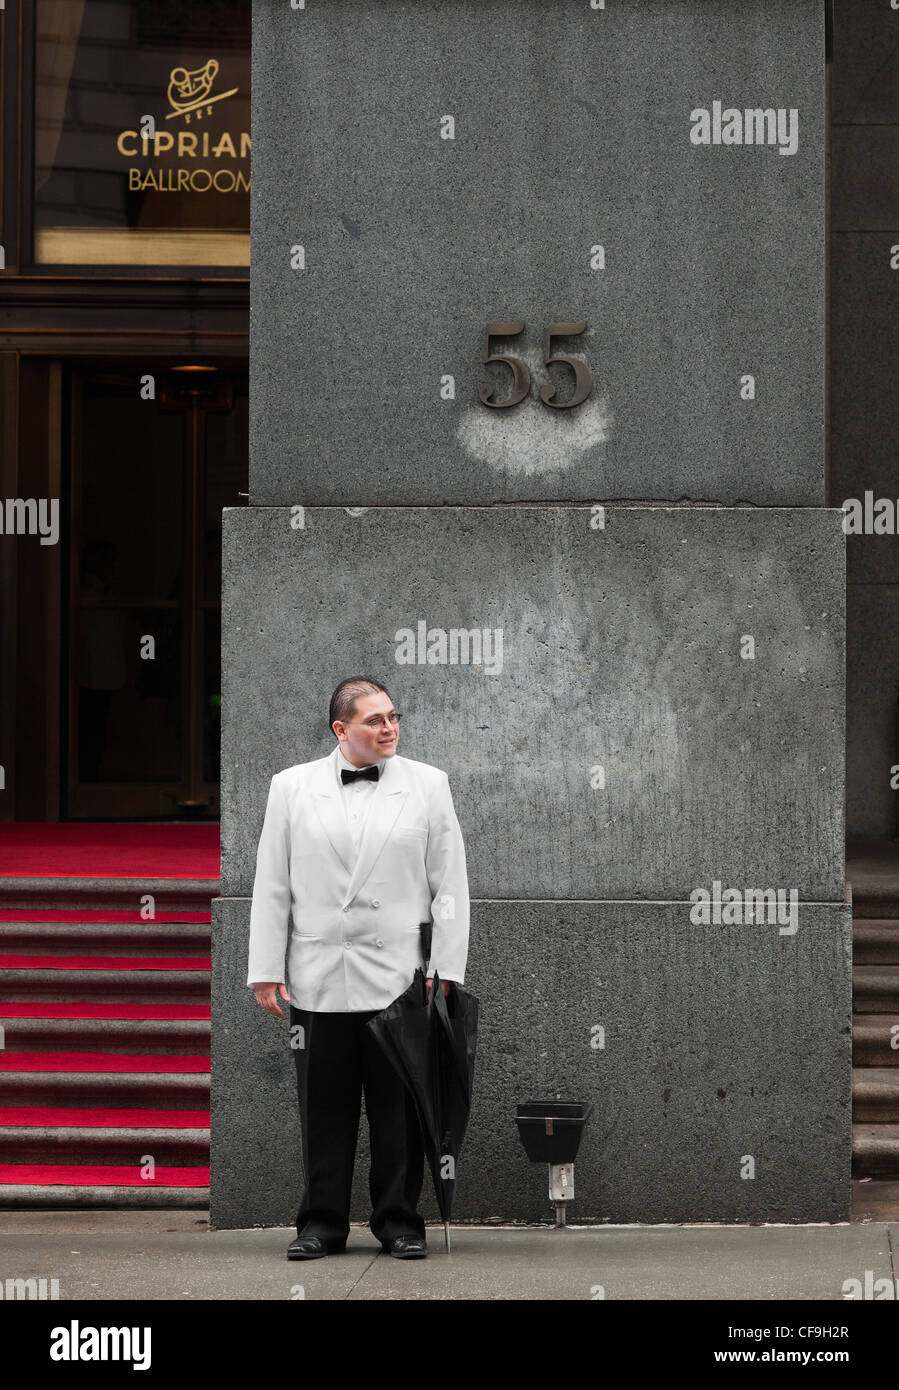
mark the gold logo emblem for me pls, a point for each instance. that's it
(189, 92)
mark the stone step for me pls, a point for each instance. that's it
(883, 906)
(173, 1090)
(174, 1148)
(872, 870)
(116, 931)
(162, 1035)
(135, 986)
(872, 1036)
(107, 894)
(119, 1197)
(875, 1199)
(875, 1094)
(875, 989)
(875, 941)
(875, 1150)
(105, 938)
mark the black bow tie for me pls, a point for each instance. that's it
(371, 774)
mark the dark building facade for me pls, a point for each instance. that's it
(123, 397)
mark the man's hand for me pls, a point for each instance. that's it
(445, 984)
(267, 997)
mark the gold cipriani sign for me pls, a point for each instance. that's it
(190, 94)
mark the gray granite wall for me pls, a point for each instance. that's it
(618, 649)
(572, 143)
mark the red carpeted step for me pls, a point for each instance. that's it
(105, 962)
(54, 914)
(82, 1009)
(105, 938)
(82, 849)
(101, 1118)
(101, 1061)
(86, 1175)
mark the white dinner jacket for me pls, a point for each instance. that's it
(353, 942)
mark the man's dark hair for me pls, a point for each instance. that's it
(343, 701)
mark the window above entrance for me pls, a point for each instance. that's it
(142, 133)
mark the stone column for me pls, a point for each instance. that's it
(618, 626)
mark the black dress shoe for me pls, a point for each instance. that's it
(406, 1248)
(313, 1248)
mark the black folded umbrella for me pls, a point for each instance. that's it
(431, 1044)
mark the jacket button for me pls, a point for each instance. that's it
(348, 944)
(379, 942)
(345, 909)
(376, 902)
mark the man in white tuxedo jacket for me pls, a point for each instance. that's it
(357, 850)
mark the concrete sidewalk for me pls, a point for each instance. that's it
(173, 1255)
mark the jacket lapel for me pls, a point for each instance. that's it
(387, 802)
(330, 811)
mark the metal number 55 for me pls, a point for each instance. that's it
(583, 379)
(521, 376)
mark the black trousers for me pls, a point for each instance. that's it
(338, 1062)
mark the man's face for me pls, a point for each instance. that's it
(365, 737)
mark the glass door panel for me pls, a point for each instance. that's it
(149, 481)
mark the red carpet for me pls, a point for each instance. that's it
(158, 1062)
(83, 1174)
(31, 849)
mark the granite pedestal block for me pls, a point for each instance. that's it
(717, 1060)
(605, 731)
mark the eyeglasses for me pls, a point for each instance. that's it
(383, 721)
